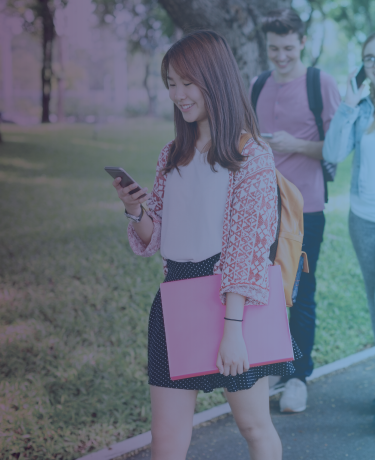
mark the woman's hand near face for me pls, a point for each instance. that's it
(351, 98)
(132, 202)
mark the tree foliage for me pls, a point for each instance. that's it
(239, 21)
(355, 17)
(145, 25)
(148, 25)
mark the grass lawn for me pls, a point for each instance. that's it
(74, 300)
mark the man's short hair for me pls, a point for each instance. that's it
(283, 22)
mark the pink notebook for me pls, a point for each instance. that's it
(194, 323)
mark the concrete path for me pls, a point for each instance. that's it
(337, 424)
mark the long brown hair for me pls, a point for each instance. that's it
(369, 39)
(205, 59)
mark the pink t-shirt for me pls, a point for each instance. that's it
(285, 107)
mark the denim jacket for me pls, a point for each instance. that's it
(345, 133)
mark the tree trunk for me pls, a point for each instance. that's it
(120, 79)
(152, 97)
(6, 65)
(61, 79)
(48, 36)
(316, 58)
(239, 21)
(369, 19)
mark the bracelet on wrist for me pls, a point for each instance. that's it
(135, 218)
(231, 319)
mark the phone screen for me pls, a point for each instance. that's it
(360, 77)
(126, 180)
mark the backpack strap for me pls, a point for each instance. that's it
(314, 95)
(273, 248)
(258, 86)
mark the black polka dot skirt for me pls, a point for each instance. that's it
(158, 368)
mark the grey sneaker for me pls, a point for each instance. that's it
(294, 397)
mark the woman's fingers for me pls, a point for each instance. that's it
(219, 364)
(352, 98)
(139, 194)
(243, 367)
(116, 183)
(131, 187)
(236, 368)
(145, 198)
(125, 194)
(349, 83)
(226, 369)
(231, 368)
(351, 75)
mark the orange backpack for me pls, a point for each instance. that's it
(286, 251)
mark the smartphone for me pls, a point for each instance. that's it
(126, 179)
(267, 135)
(358, 79)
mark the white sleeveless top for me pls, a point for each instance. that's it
(363, 204)
(193, 211)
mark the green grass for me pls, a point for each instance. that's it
(74, 300)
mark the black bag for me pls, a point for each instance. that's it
(314, 96)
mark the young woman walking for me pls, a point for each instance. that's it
(212, 210)
(353, 127)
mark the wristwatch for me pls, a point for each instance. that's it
(135, 218)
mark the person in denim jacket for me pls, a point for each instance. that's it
(353, 127)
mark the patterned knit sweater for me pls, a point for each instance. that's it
(249, 229)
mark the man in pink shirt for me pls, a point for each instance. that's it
(283, 111)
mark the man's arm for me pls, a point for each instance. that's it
(283, 142)
(312, 149)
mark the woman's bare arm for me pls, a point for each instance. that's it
(232, 357)
(133, 204)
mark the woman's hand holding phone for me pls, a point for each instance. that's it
(133, 201)
(351, 98)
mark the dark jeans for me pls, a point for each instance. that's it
(362, 233)
(302, 314)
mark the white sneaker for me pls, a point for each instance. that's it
(294, 397)
(277, 386)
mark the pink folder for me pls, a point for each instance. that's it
(194, 323)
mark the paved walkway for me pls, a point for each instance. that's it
(337, 424)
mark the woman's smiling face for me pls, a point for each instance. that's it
(370, 51)
(187, 97)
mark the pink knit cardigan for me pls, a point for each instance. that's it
(250, 223)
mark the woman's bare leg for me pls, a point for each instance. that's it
(251, 412)
(172, 422)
